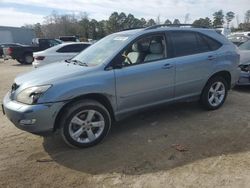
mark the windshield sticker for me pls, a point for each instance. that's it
(121, 38)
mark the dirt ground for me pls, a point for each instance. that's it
(138, 152)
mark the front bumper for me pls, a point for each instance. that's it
(41, 116)
(244, 79)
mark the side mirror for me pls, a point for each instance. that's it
(114, 66)
(117, 66)
(117, 63)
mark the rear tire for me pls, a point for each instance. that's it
(28, 58)
(20, 61)
(214, 93)
(85, 123)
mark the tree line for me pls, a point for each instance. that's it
(56, 25)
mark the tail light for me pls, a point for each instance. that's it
(39, 58)
(9, 51)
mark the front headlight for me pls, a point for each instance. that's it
(31, 95)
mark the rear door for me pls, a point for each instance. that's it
(194, 59)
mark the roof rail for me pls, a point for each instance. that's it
(176, 25)
(132, 28)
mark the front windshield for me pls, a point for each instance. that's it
(99, 52)
(245, 46)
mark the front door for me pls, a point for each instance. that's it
(146, 76)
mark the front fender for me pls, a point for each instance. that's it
(68, 89)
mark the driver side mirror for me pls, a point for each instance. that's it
(117, 62)
(117, 65)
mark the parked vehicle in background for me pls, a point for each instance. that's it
(59, 52)
(6, 46)
(244, 50)
(246, 33)
(24, 54)
(120, 74)
(69, 39)
(224, 31)
(238, 39)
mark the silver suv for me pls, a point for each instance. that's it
(123, 73)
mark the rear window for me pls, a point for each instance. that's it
(73, 48)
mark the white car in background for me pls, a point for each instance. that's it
(59, 52)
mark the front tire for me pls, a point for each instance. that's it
(85, 123)
(214, 93)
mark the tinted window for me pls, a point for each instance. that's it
(68, 39)
(185, 43)
(53, 42)
(47, 43)
(73, 48)
(213, 44)
(202, 44)
(188, 43)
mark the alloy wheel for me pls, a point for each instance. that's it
(86, 126)
(216, 94)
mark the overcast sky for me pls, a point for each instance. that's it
(20, 12)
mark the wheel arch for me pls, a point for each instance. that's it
(224, 74)
(101, 98)
(27, 52)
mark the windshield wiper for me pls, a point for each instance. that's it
(76, 62)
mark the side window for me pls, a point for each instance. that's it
(146, 49)
(202, 44)
(185, 43)
(53, 43)
(213, 44)
(73, 48)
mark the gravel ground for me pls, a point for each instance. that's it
(139, 152)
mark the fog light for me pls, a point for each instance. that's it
(27, 121)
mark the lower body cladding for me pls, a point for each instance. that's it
(37, 119)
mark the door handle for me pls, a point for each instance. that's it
(167, 66)
(211, 57)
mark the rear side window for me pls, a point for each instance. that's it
(73, 48)
(188, 43)
(213, 44)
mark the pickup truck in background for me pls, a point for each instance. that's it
(24, 54)
(6, 45)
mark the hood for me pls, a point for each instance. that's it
(244, 56)
(52, 73)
